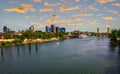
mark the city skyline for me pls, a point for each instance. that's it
(84, 15)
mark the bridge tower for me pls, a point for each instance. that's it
(98, 32)
(108, 31)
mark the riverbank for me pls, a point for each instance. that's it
(10, 42)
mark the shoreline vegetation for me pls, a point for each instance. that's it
(115, 38)
(26, 37)
(10, 42)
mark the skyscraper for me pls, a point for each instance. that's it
(53, 28)
(5, 29)
(48, 29)
(57, 29)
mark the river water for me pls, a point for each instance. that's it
(72, 56)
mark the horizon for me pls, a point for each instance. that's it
(83, 15)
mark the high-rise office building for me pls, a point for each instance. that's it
(53, 28)
(5, 29)
(48, 29)
(57, 29)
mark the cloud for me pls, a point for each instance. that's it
(27, 7)
(50, 4)
(32, 16)
(108, 18)
(37, 1)
(19, 10)
(77, 0)
(68, 9)
(57, 21)
(93, 22)
(62, 21)
(84, 15)
(37, 25)
(76, 19)
(54, 16)
(116, 4)
(100, 14)
(80, 24)
(91, 7)
(113, 12)
(104, 1)
(46, 10)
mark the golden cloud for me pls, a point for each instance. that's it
(77, 0)
(37, 1)
(108, 18)
(57, 21)
(46, 10)
(116, 4)
(76, 19)
(19, 10)
(50, 4)
(68, 9)
(62, 21)
(104, 1)
(27, 7)
(93, 22)
(84, 15)
(54, 16)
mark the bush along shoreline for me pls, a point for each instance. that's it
(115, 37)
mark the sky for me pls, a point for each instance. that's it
(83, 15)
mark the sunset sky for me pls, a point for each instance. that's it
(83, 15)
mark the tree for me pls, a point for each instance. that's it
(7, 35)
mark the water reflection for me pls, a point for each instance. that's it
(29, 48)
(36, 47)
(2, 54)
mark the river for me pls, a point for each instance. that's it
(72, 56)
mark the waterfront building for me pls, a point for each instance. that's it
(53, 29)
(5, 29)
(57, 29)
(48, 29)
